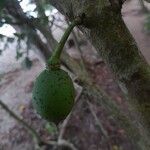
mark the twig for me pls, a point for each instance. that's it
(60, 142)
(64, 124)
(28, 127)
(103, 131)
(67, 144)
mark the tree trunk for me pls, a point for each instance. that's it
(103, 25)
(94, 94)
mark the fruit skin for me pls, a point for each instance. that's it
(53, 95)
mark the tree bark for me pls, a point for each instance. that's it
(104, 26)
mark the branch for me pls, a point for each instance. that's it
(66, 144)
(103, 131)
(28, 127)
(65, 122)
(16, 11)
(40, 142)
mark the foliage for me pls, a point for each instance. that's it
(24, 31)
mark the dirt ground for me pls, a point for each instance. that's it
(16, 86)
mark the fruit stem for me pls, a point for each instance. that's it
(54, 60)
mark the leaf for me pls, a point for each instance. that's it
(1, 52)
(20, 35)
(27, 63)
(18, 55)
(8, 19)
(10, 39)
(51, 128)
(1, 23)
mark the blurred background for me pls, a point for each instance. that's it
(29, 31)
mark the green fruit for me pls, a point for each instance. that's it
(53, 95)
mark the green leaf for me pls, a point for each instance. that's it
(27, 63)
(51, 128)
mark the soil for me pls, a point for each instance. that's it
(15, 91)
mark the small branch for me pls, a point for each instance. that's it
(64, 124)
(60, 142)
(67, 144)
(103, 131)
(28, 127)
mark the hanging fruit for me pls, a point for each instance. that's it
(53, 92)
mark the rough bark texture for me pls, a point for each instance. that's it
(104, 26)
